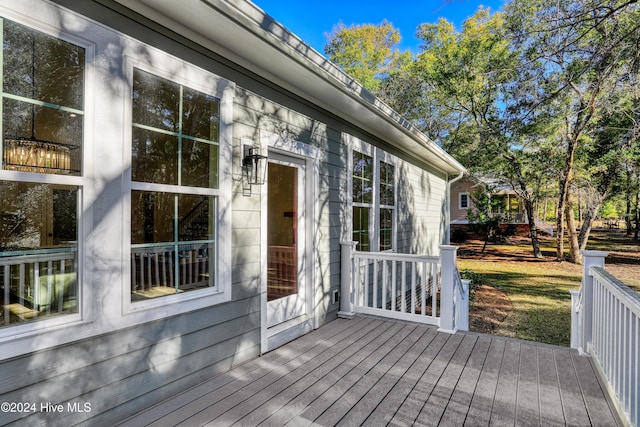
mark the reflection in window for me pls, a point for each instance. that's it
(38, 251)
(373, 202)
(173, 240)
(42, 129)
(42, 102)
(387, 208)
(361, 228)
(362, 181)
(175, 142)
(362, 178)
(175, 133)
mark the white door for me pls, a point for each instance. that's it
(286, 285)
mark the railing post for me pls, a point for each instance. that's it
(447, 283)
(462, 307)
(346, 277)
(590, 259)
(576, 334)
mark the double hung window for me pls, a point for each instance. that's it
(373, 201)
(463, 201)
(42, 117)
(174, 198)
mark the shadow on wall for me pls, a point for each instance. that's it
(111, 371)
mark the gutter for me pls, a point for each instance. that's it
(447, 233)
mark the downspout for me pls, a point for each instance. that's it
(447, 234)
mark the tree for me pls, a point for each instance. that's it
(485, 219)
(580, 46)
(366, 52)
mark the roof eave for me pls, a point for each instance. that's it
(267, 48)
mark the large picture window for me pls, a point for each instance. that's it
(42, 133)
(174, 169)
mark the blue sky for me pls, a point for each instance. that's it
(312, 19)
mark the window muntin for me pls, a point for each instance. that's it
(174, 147)
(42, 102)
(362, 180)
(373, 201)
(42, 132)
(387, 205)
(175, 133)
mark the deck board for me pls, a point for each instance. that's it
(373, 372)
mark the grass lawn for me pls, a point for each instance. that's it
(528, 298)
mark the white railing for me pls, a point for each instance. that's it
(606, 324)
(411, 287)
(38, 282)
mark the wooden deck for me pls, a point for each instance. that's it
(368, 371)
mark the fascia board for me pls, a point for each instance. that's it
(244, 34)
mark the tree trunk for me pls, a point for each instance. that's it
(560, 224)
(587, 224)
(637, 229)
(533, 231)
(627, 217)
(574, 250)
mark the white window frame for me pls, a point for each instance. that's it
(82, 182)
(463, 193)
(378, 155)
(188, 75)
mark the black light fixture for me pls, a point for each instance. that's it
(254, 166)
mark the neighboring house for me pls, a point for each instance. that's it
(509, 205)
(136, 258)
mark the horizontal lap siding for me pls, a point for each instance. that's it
(120, 372)
(125, 370)
(255, 114)
(421, 205)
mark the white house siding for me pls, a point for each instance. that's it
(119, 362)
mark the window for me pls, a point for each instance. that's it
(42, 134)
(373, 202)
(387, 205)
(174, 169)
(463, 200)
(362, 199)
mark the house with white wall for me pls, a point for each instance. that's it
(176, 180)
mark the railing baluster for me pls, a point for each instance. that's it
(423, 288)
(434, 290)
(375, 284)
(365, 302)
(403, 297)
(383, 304)
(393, 287)
(413, 287)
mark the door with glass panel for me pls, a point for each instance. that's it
(286, 285)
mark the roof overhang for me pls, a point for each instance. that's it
(241, 32)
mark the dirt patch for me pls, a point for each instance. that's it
(489, 309)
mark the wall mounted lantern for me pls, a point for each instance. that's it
(254, 166)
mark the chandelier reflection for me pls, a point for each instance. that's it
(33, 155)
